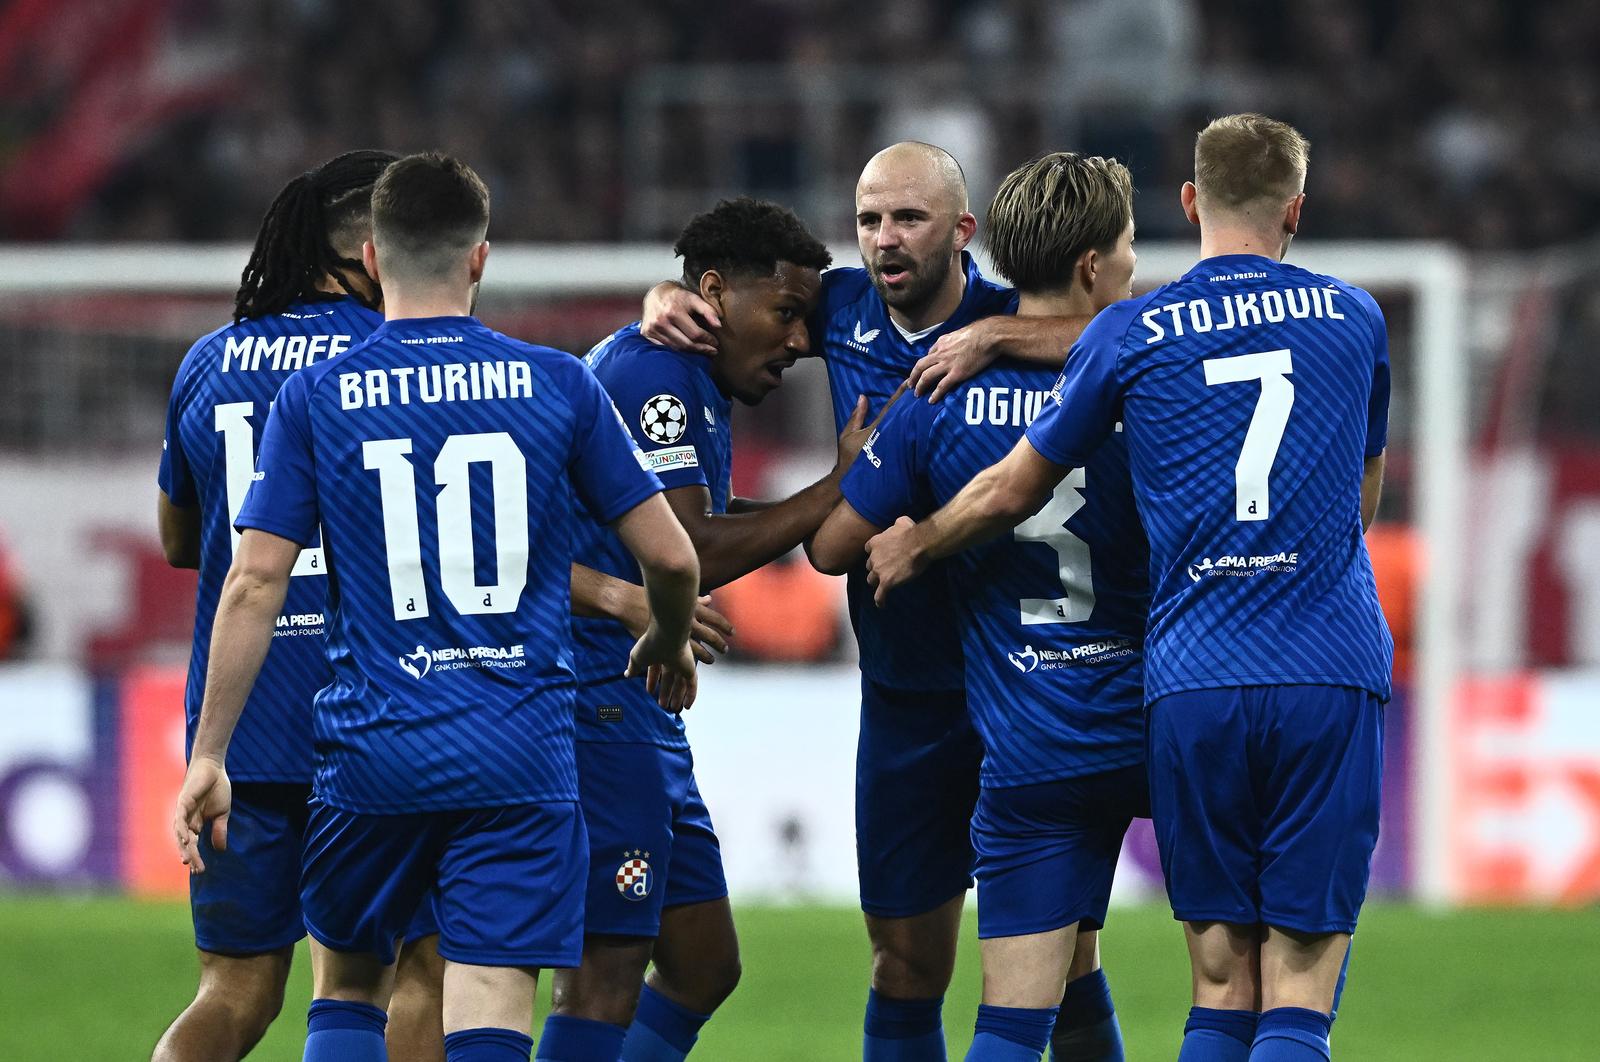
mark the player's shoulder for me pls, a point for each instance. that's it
(627, 363)
(842, 288)
(1112, 325)
(1358, 295)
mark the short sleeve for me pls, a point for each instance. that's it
(176, 475)
(1378, 399)
(609, 471)
(887, 479)
(1086, 401)
(282, 499)
(662, 413)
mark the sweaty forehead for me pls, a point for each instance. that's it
(909, 177)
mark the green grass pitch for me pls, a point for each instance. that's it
(99, 979)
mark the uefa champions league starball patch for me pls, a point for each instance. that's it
(664, 419)
(633, 876)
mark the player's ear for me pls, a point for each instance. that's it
(966, 225)
(369, 261)
(712, 286)
(1088, 269)
(1291, 216)
(1190, 198)
(476, 260)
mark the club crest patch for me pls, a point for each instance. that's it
(633, 876)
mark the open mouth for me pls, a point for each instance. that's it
(772, 372)
(893, 272)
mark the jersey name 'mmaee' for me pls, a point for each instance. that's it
(1240, 309)
(280, 353)
(473, 381)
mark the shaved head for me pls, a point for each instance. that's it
(931, 172)
(912, 224)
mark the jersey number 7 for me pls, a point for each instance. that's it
(1251, 474)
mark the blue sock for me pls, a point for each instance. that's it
(662, 1031)
(487, 1045)
(1011, 1034)
(903, 1030)
(1218, 1035)
(1087, 1029)
(337, 1031)
(579, 1040)
(1292, 1034)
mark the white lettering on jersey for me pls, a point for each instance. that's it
(1244, 309)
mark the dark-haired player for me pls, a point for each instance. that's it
(917, 758)
(304, 298)
(1052, 621)
(1254, 397)
(436, 456)
(656, 887)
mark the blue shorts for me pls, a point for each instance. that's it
(917, 767)
(1265, 801)
(651, 844)
(248, 900)
(1047, 852)
(506, 883)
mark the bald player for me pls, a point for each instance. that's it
(918, 756)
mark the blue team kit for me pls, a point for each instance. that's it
(1052, 623)
(651, 840)
(910, 649)
(248, 900)
(1250, 392)
(456, 448)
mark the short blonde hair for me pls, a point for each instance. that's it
(1242, 159)
(1048, 212)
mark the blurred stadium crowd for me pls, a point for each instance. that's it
(1476, 122)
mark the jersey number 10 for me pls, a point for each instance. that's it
(397, 485)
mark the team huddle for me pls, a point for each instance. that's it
(1105, 561)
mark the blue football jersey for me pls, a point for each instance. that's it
(220, 399)
(683, 426)
(912, 642)
(1251, 391)
(442, 460)
(1053, 614)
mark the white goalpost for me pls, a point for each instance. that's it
(1431, 276)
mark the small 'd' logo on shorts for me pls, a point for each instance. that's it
(633, 876)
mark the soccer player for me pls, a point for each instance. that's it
(918, 756)
(1052, 624)
(656, 886)
(433, 456)
(304, 298)
(1254, 396)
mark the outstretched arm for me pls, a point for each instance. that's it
(959, 356)
(998, 498)
(733, 544)
(600, 596)
(252, 596)
(841, 542)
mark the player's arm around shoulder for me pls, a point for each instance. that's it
(883, 482)
(958, 356)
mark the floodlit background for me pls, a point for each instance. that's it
(1455, 171)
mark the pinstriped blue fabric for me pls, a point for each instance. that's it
(1251, 391)
(453, 681)
(684, 427)
(912, 643)
(1052, 617)
(220, 398)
